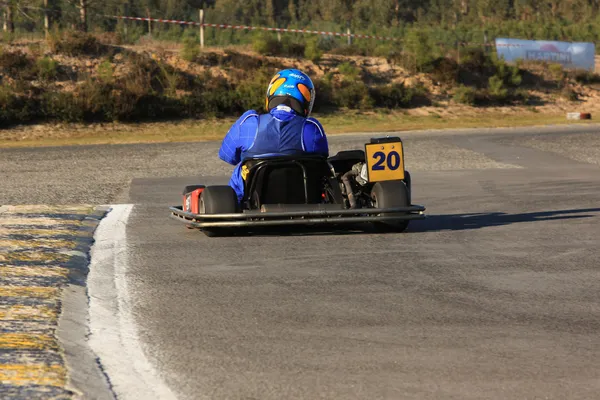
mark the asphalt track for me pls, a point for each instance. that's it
(495, 295)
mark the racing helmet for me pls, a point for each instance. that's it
(292, 88)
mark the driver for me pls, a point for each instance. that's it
(286, 129)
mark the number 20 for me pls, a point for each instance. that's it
(392, 160)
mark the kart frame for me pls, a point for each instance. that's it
(323, 216)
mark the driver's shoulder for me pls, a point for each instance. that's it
(248, 116)
(314, 124)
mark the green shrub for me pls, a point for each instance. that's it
(312, 51)
(106, 71)
(47, 68)
(497, 89)
(190, 50)
(465, 95)
(324, 93)
(444, 70)
(418, 50)
(586, 77)
(353, 95)
(557, 72)
(266, 45)
(291, 48)
(62, 106)
(15, 108)
(77, 44)
(17, 65)
(396, 95)
(349, 71)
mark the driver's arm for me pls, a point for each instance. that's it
(314, 139)
(235, 142)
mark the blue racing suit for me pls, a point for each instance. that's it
(281, 132)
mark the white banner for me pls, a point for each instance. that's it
(570, 55)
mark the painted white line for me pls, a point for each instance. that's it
(114, 336)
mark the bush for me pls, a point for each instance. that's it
(349, 71)
(312, 51)
(47, 68)
(266, 45)
(17, 65)
(419, 52)
(586, 77)
(557, 72)
(289, 48)
(15, 108)
(444, 70)
(77, 44)
(106, 71)
(465, 95)
(353, 95)
(190, 50)
(496, 88)
(396, 95)
(509, 75)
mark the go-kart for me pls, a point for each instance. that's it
(351, 187)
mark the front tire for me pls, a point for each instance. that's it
(390, 194)
(218, 200)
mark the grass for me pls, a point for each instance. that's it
(215, 129)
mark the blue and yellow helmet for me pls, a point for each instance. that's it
(292, 88)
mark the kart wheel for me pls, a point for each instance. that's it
(389, 194)
(218, 200)
(407, 180)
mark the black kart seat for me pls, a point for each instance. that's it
(348, 155)
(290, 179)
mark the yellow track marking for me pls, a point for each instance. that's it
(33, 291)
(40, 233)
(33, 256)
(23, 341)
(33, 374)
(23, 313)
(42, 221)
(37, 243)
(40, 208)
(31, 272)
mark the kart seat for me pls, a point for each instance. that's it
(296, 179)
(344, 160)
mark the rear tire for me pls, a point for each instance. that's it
(218, 200)
(390, 194)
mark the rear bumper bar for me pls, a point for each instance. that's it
(312, 217)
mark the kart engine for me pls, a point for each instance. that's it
(357, 176)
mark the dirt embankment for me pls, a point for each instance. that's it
(86, 80)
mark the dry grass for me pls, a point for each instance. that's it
(215, 129)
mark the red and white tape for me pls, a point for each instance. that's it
(227, 26)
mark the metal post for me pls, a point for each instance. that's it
(202, 27)
(149, 22)
(349, 37)
(46, 18)
(125, 22)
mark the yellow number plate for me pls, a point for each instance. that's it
(385, 161)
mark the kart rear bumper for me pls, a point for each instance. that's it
(324, 216)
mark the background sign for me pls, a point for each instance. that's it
(570, 55)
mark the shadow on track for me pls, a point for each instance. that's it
(433, 223)
(460, 222)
